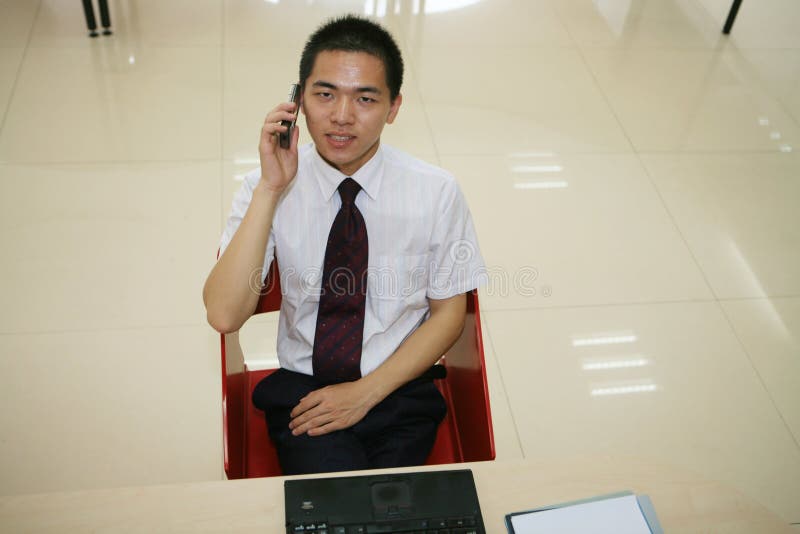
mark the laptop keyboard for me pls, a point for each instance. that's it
(452, 525)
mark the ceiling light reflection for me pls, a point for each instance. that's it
(441, 6)
(752, 284)
(561, 184)
(536, 168)
(604, 340)
(615, 13)
(625, 390)
(531, 155)
(615, 364)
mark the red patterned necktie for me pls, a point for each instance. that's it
(340, 320)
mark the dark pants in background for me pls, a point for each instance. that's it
(399, 431)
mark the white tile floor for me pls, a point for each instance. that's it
(634, 178)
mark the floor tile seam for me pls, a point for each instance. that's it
(223, 34)
(717, 52)
(223, 210)
(607, 100)
(763, 85)
(766, 297)
(763, 48)
(644, 153)
(135, 46)
(564, 26)
(722, 46)
(532, 47)
(758, 48)
(718, 46)
(712, 20)
(487, 308)
(564, 153)
(102, 329)
(795, 118)
(730, 37)
(13, 90)
(222, 82)
(412, 67)
(689, 152)
(100, 162)
(485, 323)
(677, 227)
(557, 153)
(755, 370)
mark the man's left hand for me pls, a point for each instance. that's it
(330, 408)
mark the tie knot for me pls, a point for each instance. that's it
(348, 190)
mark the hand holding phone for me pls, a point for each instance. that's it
(284, 138)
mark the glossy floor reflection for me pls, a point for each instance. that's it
(632, 173)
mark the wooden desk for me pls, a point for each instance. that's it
(684, 502)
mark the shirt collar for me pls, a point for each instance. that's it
(369, 176)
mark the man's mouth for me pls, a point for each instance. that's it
(339, 141)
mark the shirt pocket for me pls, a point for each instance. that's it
(301, 286)
(400, 278)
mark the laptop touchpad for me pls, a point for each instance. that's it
(391, 498)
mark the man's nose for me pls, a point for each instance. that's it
(343, 112)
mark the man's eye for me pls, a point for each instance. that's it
(366, 99)
(324, 95)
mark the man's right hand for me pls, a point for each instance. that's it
(278, 165)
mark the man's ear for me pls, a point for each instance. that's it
(395, 107)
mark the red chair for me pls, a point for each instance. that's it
(465, 435)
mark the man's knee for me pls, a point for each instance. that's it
(337, 451)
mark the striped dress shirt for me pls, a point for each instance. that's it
(422, 245)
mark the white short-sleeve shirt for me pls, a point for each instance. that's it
(422, 244)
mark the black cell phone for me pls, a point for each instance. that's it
(285, 138)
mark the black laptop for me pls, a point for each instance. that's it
(443, 502)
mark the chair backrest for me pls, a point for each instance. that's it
(235, 388)
(464, 436)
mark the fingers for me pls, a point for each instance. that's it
(310, 420)
(315, 426)
(283, 112)
(325, 429)
(326, 410)
(272, 122)
(306, 403)
(311, 413)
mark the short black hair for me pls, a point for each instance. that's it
(352, 33)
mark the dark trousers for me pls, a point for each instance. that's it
(397, 432)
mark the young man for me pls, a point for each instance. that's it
(376, 252)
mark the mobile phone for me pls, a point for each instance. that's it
(285, 138)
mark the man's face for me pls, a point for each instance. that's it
(347, 103)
